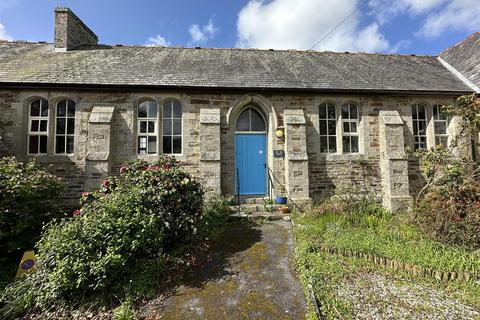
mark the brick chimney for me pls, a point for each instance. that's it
(71, 32)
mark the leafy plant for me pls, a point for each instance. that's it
(28, 199)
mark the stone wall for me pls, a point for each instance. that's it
(208, 147)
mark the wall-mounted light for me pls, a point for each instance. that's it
(279, 133)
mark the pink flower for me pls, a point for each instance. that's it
(123, 169)
(85, 194)
(105, 183)
(76, 212)
(166, 167)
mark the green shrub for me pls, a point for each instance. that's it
(28, 199)
(452, 215)
(215, 215)
(125, 311)
(141, 215)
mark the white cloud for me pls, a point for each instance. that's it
(203, 34)
(436, 16)
(400, 45)
(287, 24)
(157, 41)
(463, 15)
(3, 33)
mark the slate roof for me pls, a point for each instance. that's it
(37, 63)
(465, 58)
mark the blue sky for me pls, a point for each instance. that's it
(391, 26)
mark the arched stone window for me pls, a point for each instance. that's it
(65, 127)
(172, 127)
(328, 127)
(419, 118)
(38, 127)
(147, 127)
(350, 120)
(250, 120)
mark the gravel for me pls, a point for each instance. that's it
(374, 296)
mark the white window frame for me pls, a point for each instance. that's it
(38, 118)
(171, 101)
(415, 123)
(66, 134)
(329, 135)
(350, 134)
(147, 134)
(438, 120)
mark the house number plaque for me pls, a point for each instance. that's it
(279, 154)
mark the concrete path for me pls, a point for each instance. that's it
(247, 275)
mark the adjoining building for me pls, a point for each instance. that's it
(247, 121)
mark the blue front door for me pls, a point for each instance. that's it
(251, 163)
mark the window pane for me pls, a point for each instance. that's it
(440, 127)
(353, 112)
(142, 110)
(414, 112)
(62, 108)
(44, 111)
(71, 108)
(35, 108)
(332, 144)
(60, 144)
(143, 126)
(70, 144)
(323, 127)
(151, 126)
(423, 142)
(331, 111)
(167, 127)
(421, 112)
(322, 112)
(43, 144)
(345, 111)
(422, 127)
(353, 127)
(60, 125)
(33, 144)
(243, 121)
(167, 110)
(257, 121)
(152, 145)
(167, 144)
(177, 144)
(43, 125)
(354, 144)
(152, 109)
(332, 127)
(177, 109)
(177, 126)
(415, 127)
(346, 127)
(71, 126)
(34, 126)
(323, 145)
(346, 144)
(435, 112)
(142, 145)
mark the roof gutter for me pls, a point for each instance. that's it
(80, 86)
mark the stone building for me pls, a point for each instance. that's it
(253, 122)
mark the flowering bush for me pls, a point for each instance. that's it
(145, 213)
(28, 198)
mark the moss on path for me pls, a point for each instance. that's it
(247, 275)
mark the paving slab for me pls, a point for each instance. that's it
(247, 275)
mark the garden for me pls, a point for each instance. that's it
(115, 250)
(357, 260)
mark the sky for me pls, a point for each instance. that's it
(386, 26)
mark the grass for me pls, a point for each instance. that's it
(388, 236)
(392, 237)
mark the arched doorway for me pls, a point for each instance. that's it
(251, 152)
